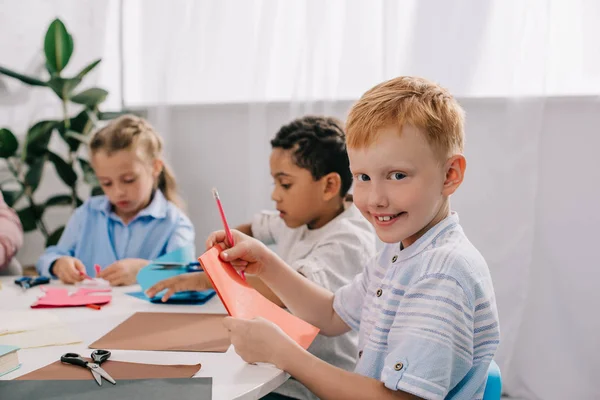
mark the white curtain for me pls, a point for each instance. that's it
(190, 52)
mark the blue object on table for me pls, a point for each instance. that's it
(493, 387)
(182, 298)
(27, 282)
(177, 262)
(172, 265)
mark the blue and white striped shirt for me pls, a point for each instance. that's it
(426, 316)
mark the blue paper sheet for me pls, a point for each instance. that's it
(185, 298)
(149, 275)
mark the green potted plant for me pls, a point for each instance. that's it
(24, 160)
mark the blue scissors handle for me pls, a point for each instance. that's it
(193, 266)
(27, 282)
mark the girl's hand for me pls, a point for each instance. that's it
(69, 269)
(123, 272)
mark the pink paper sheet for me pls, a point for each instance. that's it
(54, 297)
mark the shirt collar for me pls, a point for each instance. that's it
(417, 247)
(156, 209)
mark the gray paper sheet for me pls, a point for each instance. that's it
(140, 389)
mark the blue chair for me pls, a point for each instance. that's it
(493, 387)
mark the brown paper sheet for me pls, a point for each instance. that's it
(168, 332)
(117, 369)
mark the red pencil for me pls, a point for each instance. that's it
(225, 224)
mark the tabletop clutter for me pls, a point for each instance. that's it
(98, 376)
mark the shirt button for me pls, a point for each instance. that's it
(394, 259)
(379, 292)
(360, 354)
(398, 366)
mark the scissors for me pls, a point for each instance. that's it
(27, 282)
(167, 265)
(98, 357)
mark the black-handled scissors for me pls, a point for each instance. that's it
(193, 266)
(98, 357)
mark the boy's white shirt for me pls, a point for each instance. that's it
(330, 256)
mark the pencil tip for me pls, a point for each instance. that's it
(215, 193)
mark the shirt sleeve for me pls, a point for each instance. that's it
(348, 300)
(267, 227)
(66, 244)
(183, 235)
(431, 338)
(11, 233)
(334, 262)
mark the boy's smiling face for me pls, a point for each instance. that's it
(400, 184)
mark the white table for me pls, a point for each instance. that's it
(232, 377)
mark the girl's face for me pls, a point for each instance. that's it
(126, 179)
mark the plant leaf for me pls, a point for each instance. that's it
(77, 136)
(97, 191)
(59, 200)
(63, 87)
(12, 196)
(23, 78)
(28, 217)
(64, 170)
(80, 124)
(8, 143)
(107, 116)
(54, 237)
(87, 69)
(37, 139)
(58, 46)
(89, 176)
(34, 175)
(90, 97)
(92, 114)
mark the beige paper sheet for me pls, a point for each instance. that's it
(30, 329)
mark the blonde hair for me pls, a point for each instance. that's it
(413, 101)
(130, 132)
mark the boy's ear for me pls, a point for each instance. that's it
(332, 184)
(455, 173)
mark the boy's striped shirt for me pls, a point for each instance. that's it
(426, 316)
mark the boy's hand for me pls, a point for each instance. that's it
(180, 283)
(69, 269)
(259, 340)
(248, 254)
(123, 272)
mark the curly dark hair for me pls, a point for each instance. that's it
(319, 145)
